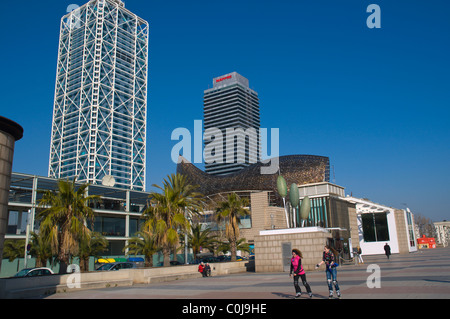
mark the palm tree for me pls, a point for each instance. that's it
(13, 249)
(169, 210)
(65, 218)
(201, 238)
(182, 194)
(231, 211)
(41, 249)
(91, 246)
(241, 244)
(143, 244)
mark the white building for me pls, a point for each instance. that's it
(442, 232)
(379, 224)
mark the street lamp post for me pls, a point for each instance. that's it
(27, 239)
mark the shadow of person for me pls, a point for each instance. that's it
(304, 296)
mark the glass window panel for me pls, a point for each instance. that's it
(381, 226)
(375, 227)
(134, 226)
(110, 226)
(368, 227)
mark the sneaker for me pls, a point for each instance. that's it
(330, 296)
(298, 295)
(310, 295)
(338, 294)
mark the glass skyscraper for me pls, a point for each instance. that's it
(100, 107)
(231, 113)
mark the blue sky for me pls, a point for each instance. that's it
(376, 101)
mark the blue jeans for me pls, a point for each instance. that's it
(332, 278)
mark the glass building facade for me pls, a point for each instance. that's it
(319, 216)
(117, 215)
(231, 123)
(100, 107)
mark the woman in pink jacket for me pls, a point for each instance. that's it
(298, 272)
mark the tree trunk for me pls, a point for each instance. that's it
(148, 261)
(166, 255)
(233, 249)
(84, 264)
(174, 253)
(63, 258)
(62, 267)
(40, 262)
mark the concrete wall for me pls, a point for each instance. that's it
(309, 240)
(10, 132)
(41, 286)
(264, 217)
(402, 231)
(353, 227)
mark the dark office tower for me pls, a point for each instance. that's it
(100, 108)
(231, 119)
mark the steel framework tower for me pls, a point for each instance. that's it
(100, 107)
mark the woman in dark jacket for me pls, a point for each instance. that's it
(298, 272)
(329, 259)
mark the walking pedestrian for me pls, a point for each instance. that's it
(329, 259)
(387, 250)
(360, 259)
(298, 272)
(355, 256)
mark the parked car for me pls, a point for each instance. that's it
(205, 260)
(34, 272)
(223, 258)
(228, 258)
(117, 266)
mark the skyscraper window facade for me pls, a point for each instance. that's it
(100, 106)
(232, 108)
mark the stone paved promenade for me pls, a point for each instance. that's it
(421, 275)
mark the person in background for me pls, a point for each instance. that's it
(329, 259)
(207, 270)
(201, 269)
(360, 255)
(355, 256)
(298, 272)
(387, 250)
